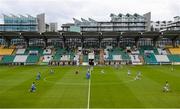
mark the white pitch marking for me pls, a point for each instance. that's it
(89, 91)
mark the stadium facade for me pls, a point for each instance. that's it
(117, 23)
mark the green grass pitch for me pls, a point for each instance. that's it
(111, 89)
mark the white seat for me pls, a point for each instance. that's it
(20, 58)
(65, 58)
(117, 57)
(148, 51)
(162, 58)
(135, 52)
(20, 51)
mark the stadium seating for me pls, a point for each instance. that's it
(85, 58)
(7, 59)
(6, 51)
(20, 58)
(162, 58)
(76, 57)
(33, 50)
(150, 58)
(174, 58)
(47, 51)
(162, 52)
(148, 49)
(117, 58)
(117, 51)
(135, 58)
(20, 51)
(65, 58)
(174, 50)
(47, 58)
(97, 57)
(32, 59)
(58, 54)
(1, 58)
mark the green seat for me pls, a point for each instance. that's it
(7, 59)
(174, 58)
(32, 59)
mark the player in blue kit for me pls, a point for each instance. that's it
(33, 87)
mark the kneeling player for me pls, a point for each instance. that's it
(88, 75)
(138, 76)
(166, 87)
(33, 87)
(129, 73)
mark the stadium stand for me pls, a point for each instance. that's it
(135, 59)
(70, 48)
(85, 58)
(1, 58)
(58, 54)
(174, 50)
(97, 57)
(47, 58)
(47, 52)
(174, 58)
(162, 58)
(20, 51)
(150, 58)
(8, 59)
(34, 50)
(20, 58)
(32, 59)
(65, 58)
(117, 58)
(162, 51)
(6, 51)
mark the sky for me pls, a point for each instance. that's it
(62, 11)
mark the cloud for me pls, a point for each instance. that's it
(62, 11)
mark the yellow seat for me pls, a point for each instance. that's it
(6, 51)
(174, 50)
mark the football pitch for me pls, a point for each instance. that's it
(111, 89)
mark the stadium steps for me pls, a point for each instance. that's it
(80, 59)
(141, 59)
(14, 52)
(101, 56)
(53, 52)
(1, 58)
(40, 60)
